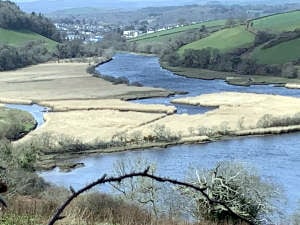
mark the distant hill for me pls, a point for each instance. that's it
(171, 33)
(279, 22)
(47, 6)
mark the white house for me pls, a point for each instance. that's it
(130, 33)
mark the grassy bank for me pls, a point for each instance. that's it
(15, 123)
(229, 77)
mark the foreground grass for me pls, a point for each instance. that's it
(278, 23)
(279, 54)
(17, 38)
(89, 209)
(224, 40)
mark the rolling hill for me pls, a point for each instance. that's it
(224, 40)
(232, 38)
(279, 54)
(282, 52)
(279, 22)
(171, 33)
(18, 38)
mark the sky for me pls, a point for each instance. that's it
(23, 0)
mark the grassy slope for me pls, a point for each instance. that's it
(15, 120)
(17, 38)
(225, 40)
(278, 23)
(166, 34)
(279, 54)
(283, 52)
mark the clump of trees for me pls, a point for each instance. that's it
(12, 57)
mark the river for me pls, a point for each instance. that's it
(276, 157)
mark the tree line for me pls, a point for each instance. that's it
(11, 17)
(12, 57)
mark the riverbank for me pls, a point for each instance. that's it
(89, 116)
(15, 124)
(232, 78)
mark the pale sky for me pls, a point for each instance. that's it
(23, 0)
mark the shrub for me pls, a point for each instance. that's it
(240, 188)
(163, 134)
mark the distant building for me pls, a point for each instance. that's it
(130, 33)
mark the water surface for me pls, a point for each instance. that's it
(276, 158)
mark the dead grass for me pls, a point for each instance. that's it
(107, 104)
(60, 81)
(88, 126)
(236, 112)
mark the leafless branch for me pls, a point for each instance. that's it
(57, 216)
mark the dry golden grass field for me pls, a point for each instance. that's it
(89, 109)
(60, 81)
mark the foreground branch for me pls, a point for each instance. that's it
(57, 216)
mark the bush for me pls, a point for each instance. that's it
(240, 188)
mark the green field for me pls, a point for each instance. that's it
(166, 34)
(224, 40)
(278, 23)
(18, 38)
(279, 54)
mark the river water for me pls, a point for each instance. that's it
(276, 157)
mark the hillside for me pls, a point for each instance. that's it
(224, 40)
(279, 54)
(279, 22)
(19, 38)
(285, 50)
(171, 33)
